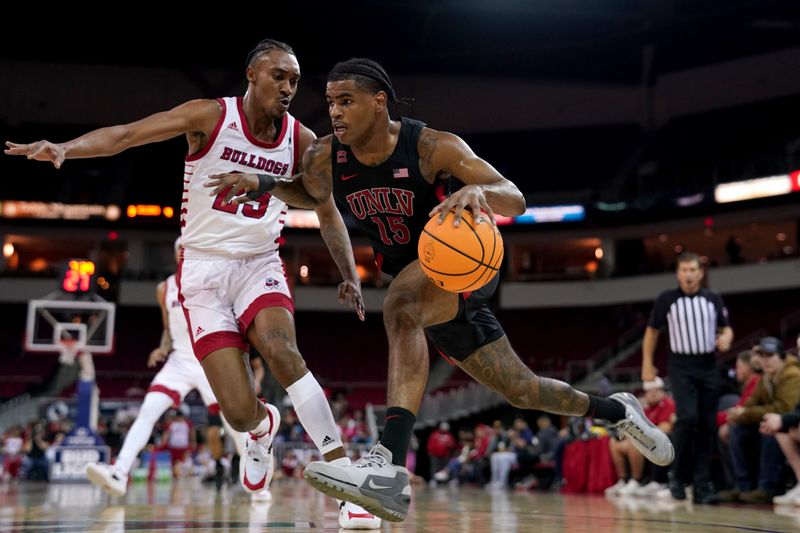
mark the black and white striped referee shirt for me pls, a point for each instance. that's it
(692, 321)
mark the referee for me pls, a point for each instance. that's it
(697, 321)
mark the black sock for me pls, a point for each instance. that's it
(397, 433)
(604, 408)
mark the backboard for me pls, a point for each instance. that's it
(90, 324)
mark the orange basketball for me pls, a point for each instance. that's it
(460, 258)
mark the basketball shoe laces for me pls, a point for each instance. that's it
(372, 459)
(253, 452)
(636, 432)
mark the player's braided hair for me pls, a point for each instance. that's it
(367, 74)
(265, 46)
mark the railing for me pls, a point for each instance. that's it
(305, 452)
(629, 377)
(19, 411)
(456, 403)
(599, 358)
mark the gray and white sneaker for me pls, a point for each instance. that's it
(372, 482)
(645, 436)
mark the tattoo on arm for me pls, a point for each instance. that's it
(338, 243)
(426, 146)
(312, 186)
(292, 191)
(499, 368)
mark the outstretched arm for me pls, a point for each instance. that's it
(160, 354)
(485, 188)
(196, 117)
(308, 189)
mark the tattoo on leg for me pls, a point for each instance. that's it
(499, 368)
(276, 334)
(558, 397)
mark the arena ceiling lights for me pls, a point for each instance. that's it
(766, 187)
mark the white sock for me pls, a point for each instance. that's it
(314, 413)
(263, 427)
(155, 404)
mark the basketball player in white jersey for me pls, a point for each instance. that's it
(231, 281)
(180, 374)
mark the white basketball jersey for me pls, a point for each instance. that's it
(178, 329)
(179, 434)
(213, 230)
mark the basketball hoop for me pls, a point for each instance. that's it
(68, 350)
(52, 324)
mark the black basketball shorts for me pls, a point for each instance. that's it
(473, 327)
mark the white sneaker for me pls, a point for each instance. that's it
(372, 482)
(351, 516)
(614, 489)
(262, 496)
(112, 480)
(651, 489)
(792, 497)
(258, 466)
(630, 488)
(645, 436)
(664, 494)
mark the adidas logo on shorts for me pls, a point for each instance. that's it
(327, 440)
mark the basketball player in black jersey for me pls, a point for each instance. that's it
(390, 175)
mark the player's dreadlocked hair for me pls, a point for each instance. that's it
(265, 46)
(366, 73)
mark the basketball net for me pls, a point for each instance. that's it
(68, 349)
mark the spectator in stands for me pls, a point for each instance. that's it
(786, 429)
(660, 409)
(339, 405)
(467, 466)
(522, 474)
(180, 439)
(747, 376)
(50, 453)
(545, 441)
(498, 435)
(354, 429)
(734, 250)
(697, 321)
(440, 446)
(36, 465)
(13, 446)
(777, 392)
(501, 458)
(523, 429)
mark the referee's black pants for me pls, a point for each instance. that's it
(695, 388)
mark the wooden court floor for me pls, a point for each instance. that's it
(189, 506)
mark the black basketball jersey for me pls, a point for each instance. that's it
(389, 202)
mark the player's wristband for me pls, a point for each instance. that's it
(265, 184)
